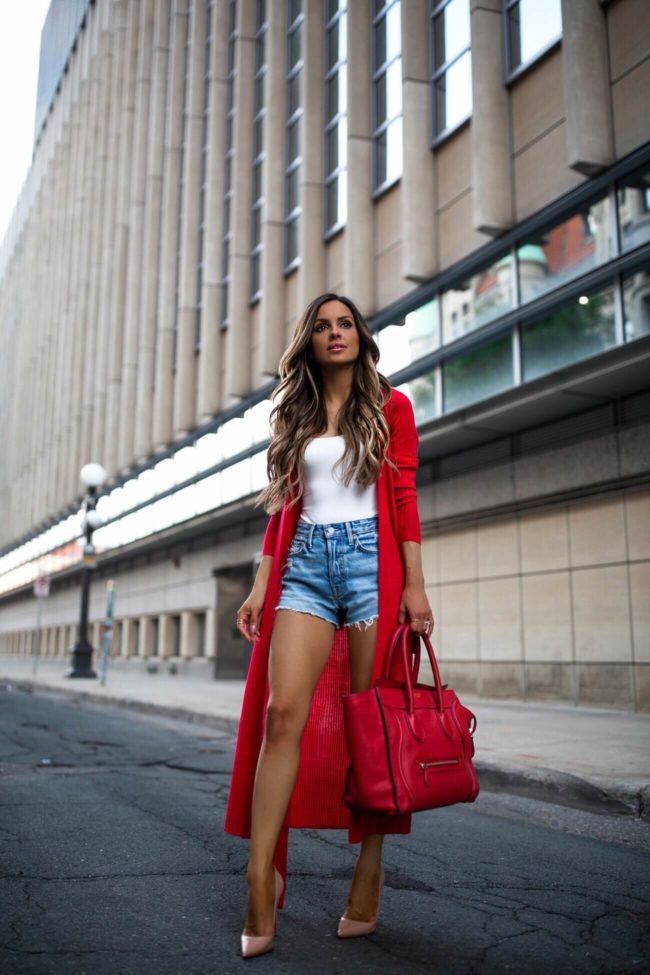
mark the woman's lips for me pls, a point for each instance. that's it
(335, 348)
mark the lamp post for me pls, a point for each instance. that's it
(93, 476)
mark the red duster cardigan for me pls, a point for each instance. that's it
(316, 802)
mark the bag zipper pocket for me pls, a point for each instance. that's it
(427, 765)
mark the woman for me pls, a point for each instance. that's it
(326, 600)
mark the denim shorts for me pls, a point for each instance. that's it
(331, 571)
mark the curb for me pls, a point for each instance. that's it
(565, 789)
(175, 712)
(541, 783)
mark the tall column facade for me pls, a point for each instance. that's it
(417, 186)
(185, 374)
(311, 280)
(359, 240)
(116, 11)
(137, 259)
(122, 205)
(585, 67)
(492, 172)
(169, 235)
(152, 225)
(271, 332)
(209, 380)
(237, 350)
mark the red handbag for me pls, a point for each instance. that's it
(410, 744)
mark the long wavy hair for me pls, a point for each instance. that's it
(299, 413)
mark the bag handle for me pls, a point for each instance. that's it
(404, 634)
(415, 668)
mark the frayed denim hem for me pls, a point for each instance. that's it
(363, 624)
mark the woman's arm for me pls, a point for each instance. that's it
(248, 614)
(414, 604)
(404, 442)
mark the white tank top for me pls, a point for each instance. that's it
(326, 499)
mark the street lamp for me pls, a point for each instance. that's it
(93, 476)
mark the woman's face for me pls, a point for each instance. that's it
(334, 336)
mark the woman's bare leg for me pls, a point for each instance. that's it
(364, 889)
(300, 647)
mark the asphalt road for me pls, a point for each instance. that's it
(113, 860)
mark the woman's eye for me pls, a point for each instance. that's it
(346, 324)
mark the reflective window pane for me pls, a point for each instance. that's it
(454, 94)
(387, 95)
(292, 190)
(294, 48)
(633, 197)
(636, 303)
(422, 394)
(257, 182)
(332, 202)
(255, 273)
(293, 143)
(400, 345)
(393, 32)
(477, 374)
(380, 42)
(394, 90)
(564, 252)
(332, 141)
(579, 330)
(342, 200)
(389, 153)
(532, 25)
(451, 33)
(481, 299)
(332, 96)
(291, 241)
(333, 44)
(293, 94)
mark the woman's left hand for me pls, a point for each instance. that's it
(414, 607)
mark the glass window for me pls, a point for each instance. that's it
(532, 25)
(229, 152)
(153, 648)
(633, 197)
(422, 394)
(565, 251)
(479, 300)
(293, 121)
(176, 636)
(200, 634)
(580, 329)
(258, 156)
(336, 127)
(400, 345)
(477, 374)
(387, 93)
(636, 302)
(452, 66)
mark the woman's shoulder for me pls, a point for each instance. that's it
(398, 403)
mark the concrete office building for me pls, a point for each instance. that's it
(476, 176)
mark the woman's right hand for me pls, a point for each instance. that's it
(248, 616)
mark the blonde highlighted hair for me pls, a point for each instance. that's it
(299, 412)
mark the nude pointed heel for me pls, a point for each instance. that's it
(348, 928)
(253, 944)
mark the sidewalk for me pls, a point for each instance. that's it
(592, 758)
